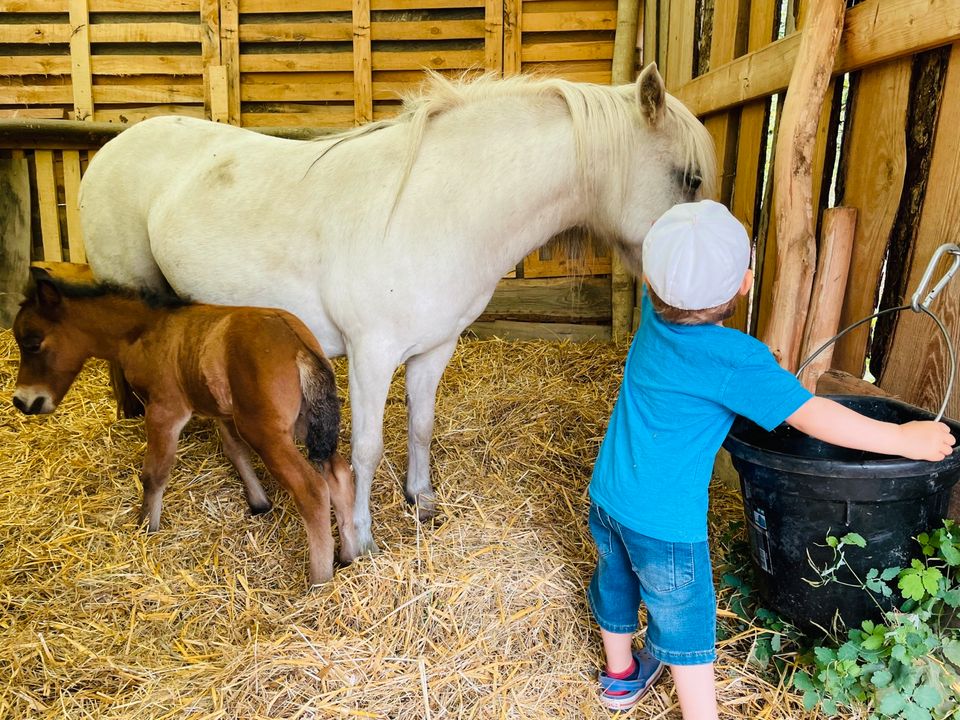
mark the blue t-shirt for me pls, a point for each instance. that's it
(682, 387)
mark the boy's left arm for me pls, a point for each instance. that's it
(831, 422)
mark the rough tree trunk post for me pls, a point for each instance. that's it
(792, 175)
(14, 235)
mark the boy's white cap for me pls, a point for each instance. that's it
(695, 255)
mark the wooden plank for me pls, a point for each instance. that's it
(17, 65)
(571, 299)
(131, 115)
(874, 31)
(569, 20)
(36, 95)
(148, 32)
(146, 65)
(680, 41)
(435, 60)
(139, 6)
(510, 330)
(301, 6)
(296, 32)
(147, 94)
(14, 235)
(512, 36)
(362, 63)
(39, 34)
(288, 92)
(493, 37)
(917, 367)
(552, 51)
(837, 382)
(329, 115)
(230, 56)
(36, 113)
(71, 191)
(873, 184)
(297, 62)
(47, 203)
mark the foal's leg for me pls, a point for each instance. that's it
(163, 425)
(423, 376)
(370, 375)
(339, 479)
(238, 453)
(285, 462)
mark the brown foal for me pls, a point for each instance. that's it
(259, 372)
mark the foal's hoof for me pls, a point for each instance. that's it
(260, 509)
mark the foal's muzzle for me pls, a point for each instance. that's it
(31, 403)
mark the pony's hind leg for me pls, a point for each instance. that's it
(423, 376)
(163, 427)
(283, 459)
(339, 479)
(238, 453)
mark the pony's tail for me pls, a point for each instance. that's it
(319, 387)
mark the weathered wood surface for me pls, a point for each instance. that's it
(826, 300)
(572, 300)
(873, 184)
(508, 330)
(796, 247)
(917, 342)
(14, 235)
(874, 31)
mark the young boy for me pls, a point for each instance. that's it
(686, 377)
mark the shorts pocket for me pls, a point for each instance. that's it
(669, 567)
(602, 535)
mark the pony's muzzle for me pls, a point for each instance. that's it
(31, 402)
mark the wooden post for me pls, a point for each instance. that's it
(47, 200)
(623, 292)
(793, 185)
(833, 266)
(512, 39)
(493, 37)
(362, 63)
(14, 234)
(230, 56)
(80, 74)
(214, 91)
(71, 193)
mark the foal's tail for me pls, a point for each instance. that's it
(319, 387)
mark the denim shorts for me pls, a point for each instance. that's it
(674, 581)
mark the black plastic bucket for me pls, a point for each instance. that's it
(797, 490)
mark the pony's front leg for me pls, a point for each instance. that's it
(423, 376)
(369, 377)
(163, 426)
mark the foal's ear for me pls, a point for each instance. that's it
(651, 95)
(47, 293)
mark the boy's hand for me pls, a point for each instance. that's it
(925, 440)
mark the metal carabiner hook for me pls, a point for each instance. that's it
(950, 248)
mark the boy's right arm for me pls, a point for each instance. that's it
(831, 422)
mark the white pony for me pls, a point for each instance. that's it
(389, 240)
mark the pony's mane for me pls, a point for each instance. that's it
(151, 298)
(604, 122)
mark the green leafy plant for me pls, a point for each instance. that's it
(908, 665)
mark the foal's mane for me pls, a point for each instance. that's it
(605, 121)
(155, 299)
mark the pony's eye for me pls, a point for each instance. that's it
(31, 344)
(693, 181)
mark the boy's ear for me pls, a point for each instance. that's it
(746, 283)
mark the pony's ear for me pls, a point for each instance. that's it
(47, 293)
(651, 95)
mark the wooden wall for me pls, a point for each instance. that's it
(291, 67)
(887, 145)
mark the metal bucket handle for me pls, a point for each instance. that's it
(917, 306)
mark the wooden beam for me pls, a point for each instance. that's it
(508, 330)
(47, 202)
(493, 37)
(680, 42)
(210, 56)
(71, 193)
(796, 247)
(362, 63)
(80, 73)
(230, 56)
(512, 36)
(874, 31)
(575, 300)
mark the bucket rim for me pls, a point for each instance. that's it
(880, 468)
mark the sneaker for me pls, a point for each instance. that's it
(623, 694)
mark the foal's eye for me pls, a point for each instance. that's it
(31, 344)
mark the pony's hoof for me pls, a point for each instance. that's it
(320, 580)
(426, 505)
(261, 509)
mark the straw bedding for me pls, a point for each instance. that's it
(479, 614)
